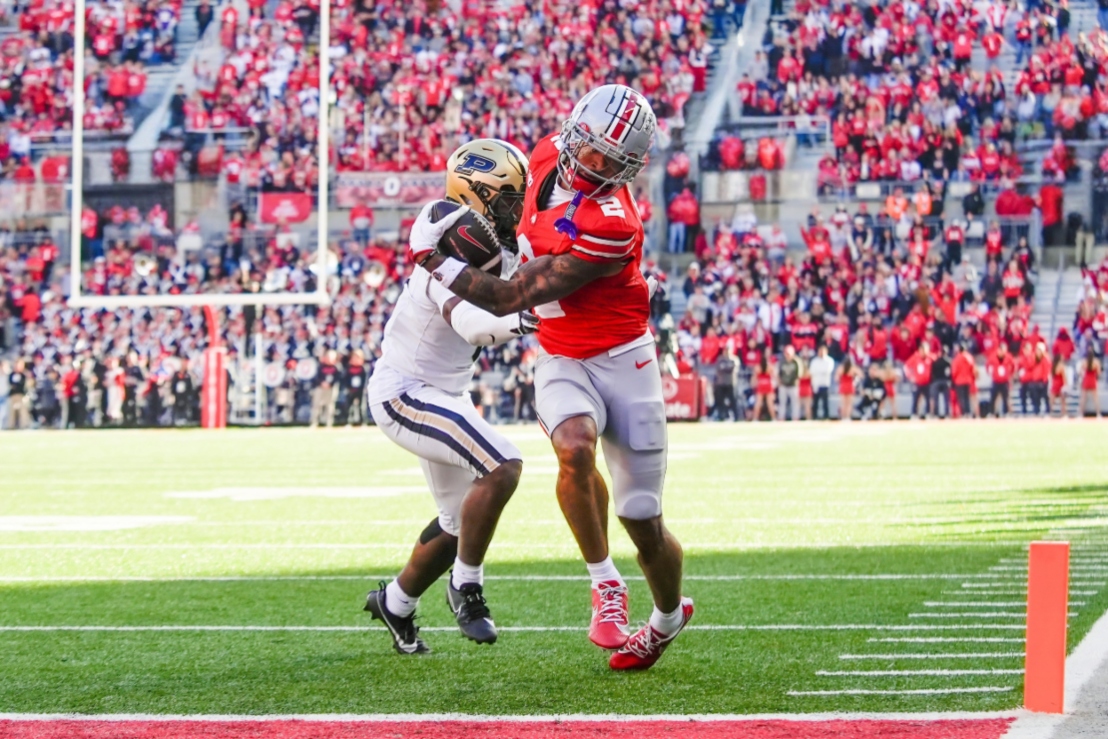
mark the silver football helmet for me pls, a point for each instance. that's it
(615, 121)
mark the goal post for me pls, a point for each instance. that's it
(214, 409)
(319, 296)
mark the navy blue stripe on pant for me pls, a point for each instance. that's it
(459, 419)
(438, 435)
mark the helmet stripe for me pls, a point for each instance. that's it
(623, 121)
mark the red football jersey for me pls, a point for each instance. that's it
(607, 312)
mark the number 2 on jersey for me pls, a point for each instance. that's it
(546, 310)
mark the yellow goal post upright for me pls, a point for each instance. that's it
(214, 391)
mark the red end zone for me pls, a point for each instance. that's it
(293, 729)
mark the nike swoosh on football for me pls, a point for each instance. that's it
(640, 365)
(463, 231)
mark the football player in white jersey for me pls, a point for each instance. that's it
(416, 398)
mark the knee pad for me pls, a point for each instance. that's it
(639, 506)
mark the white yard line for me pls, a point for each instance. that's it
(948, 640)
(911, 673)
(996, 614)
(521, 578)
(694, 627)
(1073, 568)
(924, 691)
(700, 546)
(984, 604)
(935, 655)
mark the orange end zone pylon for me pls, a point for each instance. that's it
(1048, 572)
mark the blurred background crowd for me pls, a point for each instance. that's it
(869, 210)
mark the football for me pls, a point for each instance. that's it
(472, 238)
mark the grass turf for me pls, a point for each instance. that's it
(339, 509)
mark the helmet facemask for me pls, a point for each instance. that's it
(504, 208)
(579, 177)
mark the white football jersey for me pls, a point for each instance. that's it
(420, 347)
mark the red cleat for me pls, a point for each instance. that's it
(608, 629)
(646, 646)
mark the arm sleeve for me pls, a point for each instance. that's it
(481, 328)
(476, 326)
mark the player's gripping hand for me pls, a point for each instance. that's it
(426, 234)
(528, 323)
(651, 286)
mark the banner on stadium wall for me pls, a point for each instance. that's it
(290, 207)
(684, 397)
(388, 189)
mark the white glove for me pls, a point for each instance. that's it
(528, 323)
(426, 234)
(651, 286)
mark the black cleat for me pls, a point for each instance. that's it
(470, 610)
(405, 634)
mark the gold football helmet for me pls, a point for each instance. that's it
(489, 175)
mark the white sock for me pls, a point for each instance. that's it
(604, 571)
(399, 602)
(666, 623)
(464, 573)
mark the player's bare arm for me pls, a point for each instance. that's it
(541, 280)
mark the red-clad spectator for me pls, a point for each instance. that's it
(1002, 368)
(770, 154)
(732, 152)
(917, 370)
(1063, 345)
(1050, 202)
(903, 344)
(1014, 283)
(1010, 203)
(963, 376)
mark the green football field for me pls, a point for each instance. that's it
(835, 567)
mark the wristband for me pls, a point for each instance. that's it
(448, 271)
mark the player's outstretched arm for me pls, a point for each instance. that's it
(541, 280)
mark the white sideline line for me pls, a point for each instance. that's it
(694, 627)
(948, 640)
(521, 578)
(935, 655)
(538, 718)
(1081, 666)
(927, 691)
(910, 673)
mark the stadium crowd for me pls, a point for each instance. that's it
(429, 80)
(872, 309)
(775, 335)
(144, 366)
(36, 68)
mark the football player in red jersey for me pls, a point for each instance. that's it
(597, 377)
